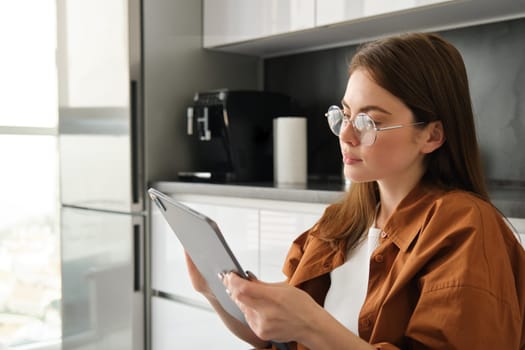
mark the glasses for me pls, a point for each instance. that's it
(364, 126)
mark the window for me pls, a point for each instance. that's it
(29, 204)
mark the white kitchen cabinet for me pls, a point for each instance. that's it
(178, 326)
(259, 232)
(334, 11)
(278, 229)
(270, 28)
(232, 21)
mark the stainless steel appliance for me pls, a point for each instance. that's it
(233, 133)
(101, 175)
(124, 79)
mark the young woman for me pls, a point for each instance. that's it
(415, 256)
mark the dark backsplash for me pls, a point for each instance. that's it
(495, 58)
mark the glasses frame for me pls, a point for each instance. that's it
(344, 120)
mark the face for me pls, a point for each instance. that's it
(397, 154)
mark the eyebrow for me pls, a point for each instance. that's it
(366, 108)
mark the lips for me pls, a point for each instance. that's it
(350, 159)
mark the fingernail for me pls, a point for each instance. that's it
(251, 275)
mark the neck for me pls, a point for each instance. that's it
(390, 197)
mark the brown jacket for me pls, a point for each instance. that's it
(448, 274)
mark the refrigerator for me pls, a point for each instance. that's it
(101, 175)
(127, 70)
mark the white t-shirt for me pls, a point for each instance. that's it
(349, 283)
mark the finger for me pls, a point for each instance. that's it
(234, 280)
(251, 293)
(234, 284)
(251, 287)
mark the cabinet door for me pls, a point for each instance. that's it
(278, 229)
(179, 326)
(240, 227)
(333, 11)
(231, 21)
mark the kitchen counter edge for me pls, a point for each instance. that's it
(323, 194)
(510, 201)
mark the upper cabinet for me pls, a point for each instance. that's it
(334, 11)
(234, 21)
(269, 28)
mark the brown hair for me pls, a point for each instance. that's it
(427, 73)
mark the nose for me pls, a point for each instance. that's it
(349, 135)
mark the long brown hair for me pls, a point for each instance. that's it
(427, 73)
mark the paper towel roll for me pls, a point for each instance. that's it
(289, 150)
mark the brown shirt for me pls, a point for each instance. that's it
(448, 274)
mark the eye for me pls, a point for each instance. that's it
(363, 122)
(375, 121)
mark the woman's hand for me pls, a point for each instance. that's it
(282, 313)
(198, 282)
(274, 311)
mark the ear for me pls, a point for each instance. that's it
(434, 137)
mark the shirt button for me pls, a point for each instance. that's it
(379, 258)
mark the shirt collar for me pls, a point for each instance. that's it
(409, 217)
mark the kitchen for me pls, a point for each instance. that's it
(279, 58)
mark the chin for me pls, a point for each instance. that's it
(360, 179)
(349, 176)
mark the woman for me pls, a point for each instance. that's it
(415, 256)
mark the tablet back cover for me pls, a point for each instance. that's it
(203, 241)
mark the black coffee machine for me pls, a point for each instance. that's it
(231, 135)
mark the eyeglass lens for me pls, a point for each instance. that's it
(335, 116)
(363, 125)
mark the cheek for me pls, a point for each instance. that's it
(380, 158)
(389, 152)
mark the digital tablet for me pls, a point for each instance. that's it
(203, 241)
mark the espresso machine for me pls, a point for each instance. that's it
(231, 135)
